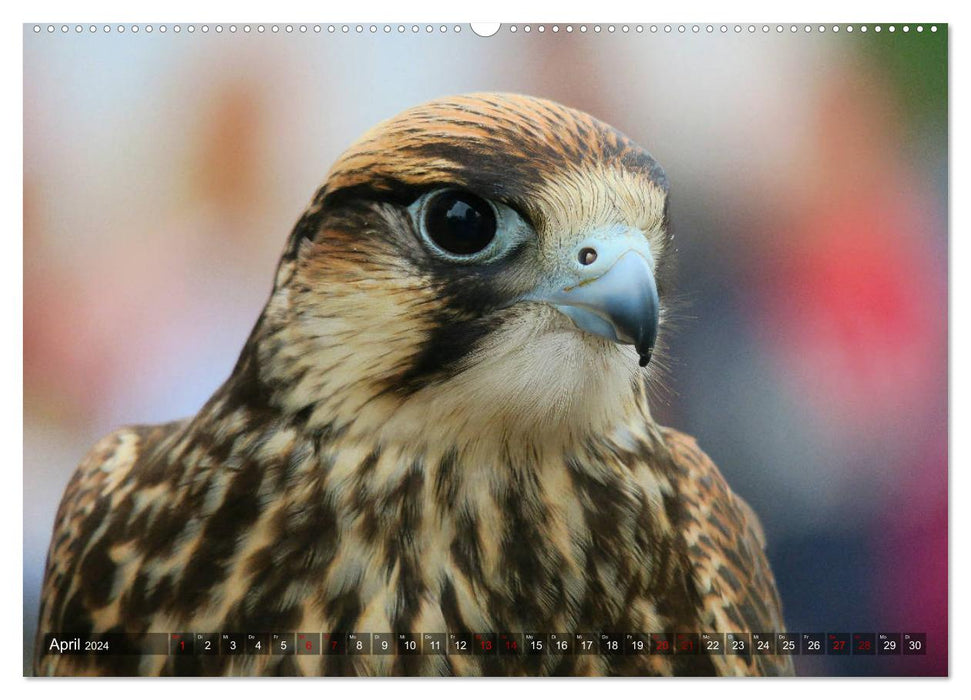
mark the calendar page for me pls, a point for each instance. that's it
(515, 349)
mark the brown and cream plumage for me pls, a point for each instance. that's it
(439, 424)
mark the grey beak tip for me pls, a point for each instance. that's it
(620, 305)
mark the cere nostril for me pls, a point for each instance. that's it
(587, 256)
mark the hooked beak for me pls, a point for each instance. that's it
(614, 294)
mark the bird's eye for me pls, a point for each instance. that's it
(459, 223)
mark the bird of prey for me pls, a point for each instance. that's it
(439, 424)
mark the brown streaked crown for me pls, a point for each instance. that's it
(500, 145)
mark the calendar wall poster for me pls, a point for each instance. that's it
(556, 349)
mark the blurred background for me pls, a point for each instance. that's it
(809, 180)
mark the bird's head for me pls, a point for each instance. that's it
(489, 261)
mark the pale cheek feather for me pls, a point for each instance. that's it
(536, 378)
(342, 356)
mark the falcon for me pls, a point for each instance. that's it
(440, 424)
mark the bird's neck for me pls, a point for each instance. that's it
(441, 417)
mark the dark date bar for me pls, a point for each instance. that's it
(488, 643)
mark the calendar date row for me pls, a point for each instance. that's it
(490, 643)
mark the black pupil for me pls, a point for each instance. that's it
(460, 223)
